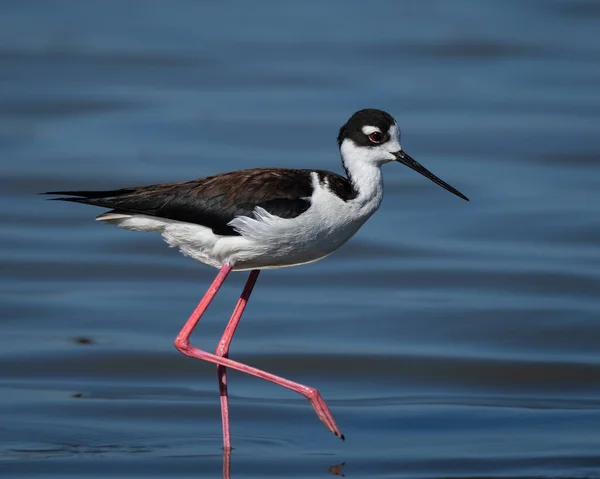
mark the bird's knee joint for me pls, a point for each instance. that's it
(182, 344)
(311, 393)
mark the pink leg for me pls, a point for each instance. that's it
(223, 351)
(182, 343)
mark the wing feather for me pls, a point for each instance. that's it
(212, 201)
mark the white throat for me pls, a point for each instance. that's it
(363, 163)
(365, 175)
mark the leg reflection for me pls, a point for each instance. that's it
(226, 463)
(337, 470)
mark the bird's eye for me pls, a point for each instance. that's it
(376, 137)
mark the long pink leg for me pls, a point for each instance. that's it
(223, 351)
(182, 343)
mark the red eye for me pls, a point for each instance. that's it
(376, 137)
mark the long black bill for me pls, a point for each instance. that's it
(414, 165)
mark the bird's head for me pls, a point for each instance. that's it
(372, 136)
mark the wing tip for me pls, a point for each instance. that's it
(67, 198)
(74, 196)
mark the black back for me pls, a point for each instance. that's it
(215, 200)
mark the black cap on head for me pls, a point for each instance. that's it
(370, 116)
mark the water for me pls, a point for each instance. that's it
(450, 339)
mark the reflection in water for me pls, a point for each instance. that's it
(336, 469)
(226, 463)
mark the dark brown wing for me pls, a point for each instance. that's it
(212, 201)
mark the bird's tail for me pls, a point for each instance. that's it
(84, 196)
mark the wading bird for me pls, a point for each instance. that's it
(262, 218)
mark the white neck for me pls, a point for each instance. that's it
(364, 173)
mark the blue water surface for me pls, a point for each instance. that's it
(450, 339)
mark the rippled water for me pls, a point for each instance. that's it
(450, 339)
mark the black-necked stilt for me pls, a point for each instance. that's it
(263, 218)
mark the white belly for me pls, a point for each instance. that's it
(274, 242)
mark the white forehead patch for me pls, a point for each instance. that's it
(367, 129)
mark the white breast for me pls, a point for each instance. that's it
(324, 227)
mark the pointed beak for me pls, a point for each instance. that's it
(414, 165)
